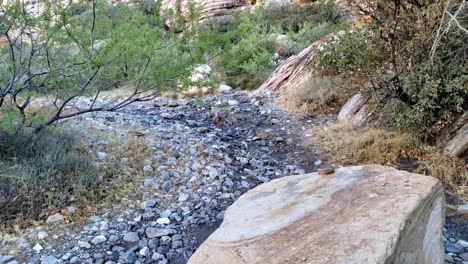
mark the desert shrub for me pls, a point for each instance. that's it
(350, 52)
(41, 171)
(243, 46)
(68, 52)
(410, 52)
(317, 96)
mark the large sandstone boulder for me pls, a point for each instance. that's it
(292, 72)
(363, 214)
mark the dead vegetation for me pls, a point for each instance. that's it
(363, 145)
(317, 96)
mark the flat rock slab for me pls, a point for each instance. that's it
(362, 214)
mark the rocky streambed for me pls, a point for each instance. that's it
(205, 153)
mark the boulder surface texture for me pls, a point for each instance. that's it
(362, 214)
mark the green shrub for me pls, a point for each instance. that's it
(410, 53)
(242, 47)
(39, 171)
(349, 53)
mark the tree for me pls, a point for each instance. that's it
(65, 53)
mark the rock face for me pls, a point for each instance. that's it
(354, 110)
(209, 8)
(456, 137)
(362, 214)
(293, 71)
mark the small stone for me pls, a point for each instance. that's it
(149, 203)
(131, 237)
(163, 221)
(98, 239)
(326, 171)
(165, 213)
(6, 258)
(177, 244)
(101, 155)
(462, 243)
(95, 218)
(42, 234)
(202, 129)
(55, 218)
(84, 244)
(38, 247)
(103, 226)
(157, 256)
(220, 215)
(147, 168)
(144, 251)
(166, 115)
(464, 256)
(167, 186)
(452, 248)
(232, 102)
(183, 197)
(75, 259)
(152, 232)
(317, 162)
(49, 260)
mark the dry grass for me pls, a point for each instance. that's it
(359, 145)
(123, 178)
(317, 96)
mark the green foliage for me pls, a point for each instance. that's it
(243, 47)
(408, 53)
(82, 50)
(39, 171)
(349, 53)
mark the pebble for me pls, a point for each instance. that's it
(152, 232)
(163, 221)
(131, 237)
(41, 235)
(98, 239)
(55, 218)
(84, 244)
(38, 247)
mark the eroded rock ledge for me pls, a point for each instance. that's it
(362, 214)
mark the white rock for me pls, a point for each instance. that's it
(55, 218)
(84, 244)
(163, 221)
(233, 102)
(144, 251)
(38, 247)
(147, 168)
(183, 197)
(101, 155)
(224, 88)
(462, 243)
(98, 239)
(42, 234)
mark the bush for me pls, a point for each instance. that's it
(411, 53)
(243, 46)
(41, 171)
(317, 96)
